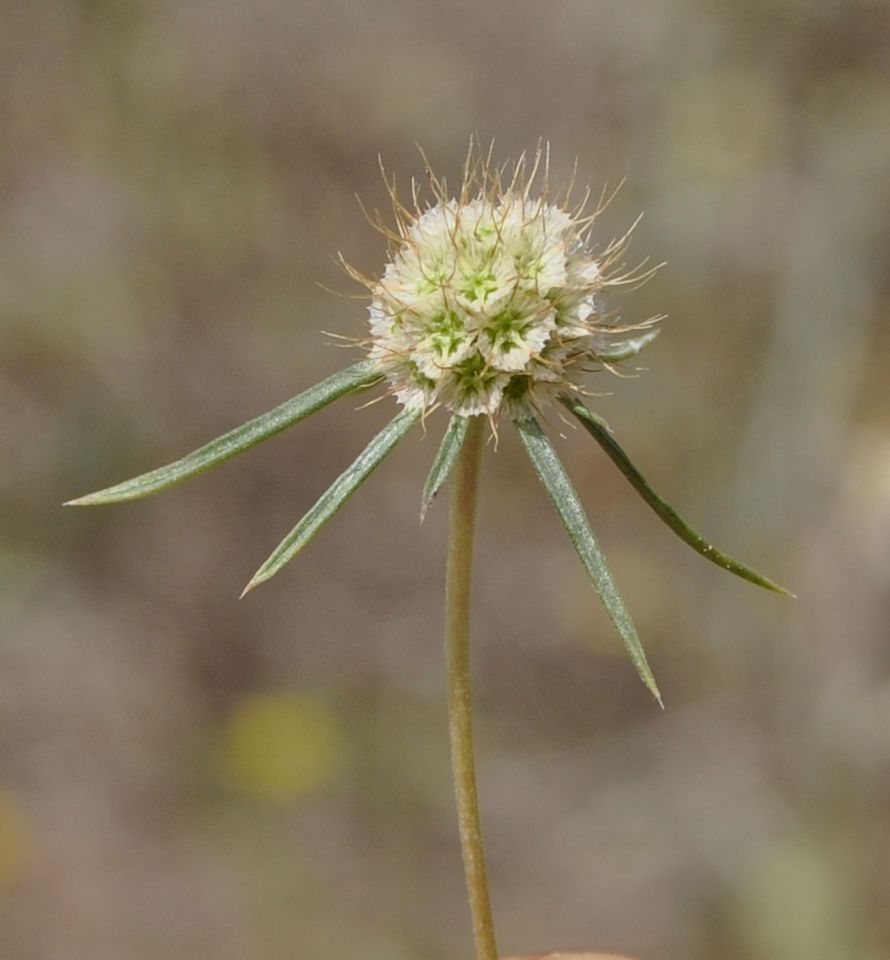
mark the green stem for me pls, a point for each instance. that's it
(460, 714)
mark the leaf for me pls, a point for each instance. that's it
(249, 434)
(558, 485)
(598, 429)
(445, 458)
(625, 349)
(335, 496)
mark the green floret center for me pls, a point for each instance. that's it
(473, 377)
(446, 333)
(518, 389)
(505, 330)
(419, 377)
(477, 286)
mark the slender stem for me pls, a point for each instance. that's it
(460, 718)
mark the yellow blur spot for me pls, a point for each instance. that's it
(13, 840)
(279, 747)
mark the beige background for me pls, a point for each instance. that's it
(184, 776)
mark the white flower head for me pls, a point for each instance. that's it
(491, 301)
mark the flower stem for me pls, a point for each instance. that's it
(460, 718)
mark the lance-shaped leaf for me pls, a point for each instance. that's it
(598, 429)
(335, 496)
(565, 498)
(249, 434)
(441, 468)
(625, 349)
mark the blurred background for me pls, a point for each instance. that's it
(187, 776)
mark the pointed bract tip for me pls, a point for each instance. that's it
(255, 582)
(101, 498)
(778, 588)
(775, 588)
(652, 687)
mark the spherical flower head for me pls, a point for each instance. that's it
(491, 301)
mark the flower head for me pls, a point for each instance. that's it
(492, 300)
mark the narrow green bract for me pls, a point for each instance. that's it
(249, 434)
(441, 468)
(565, 498)
(598, 429)
(335, 496)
